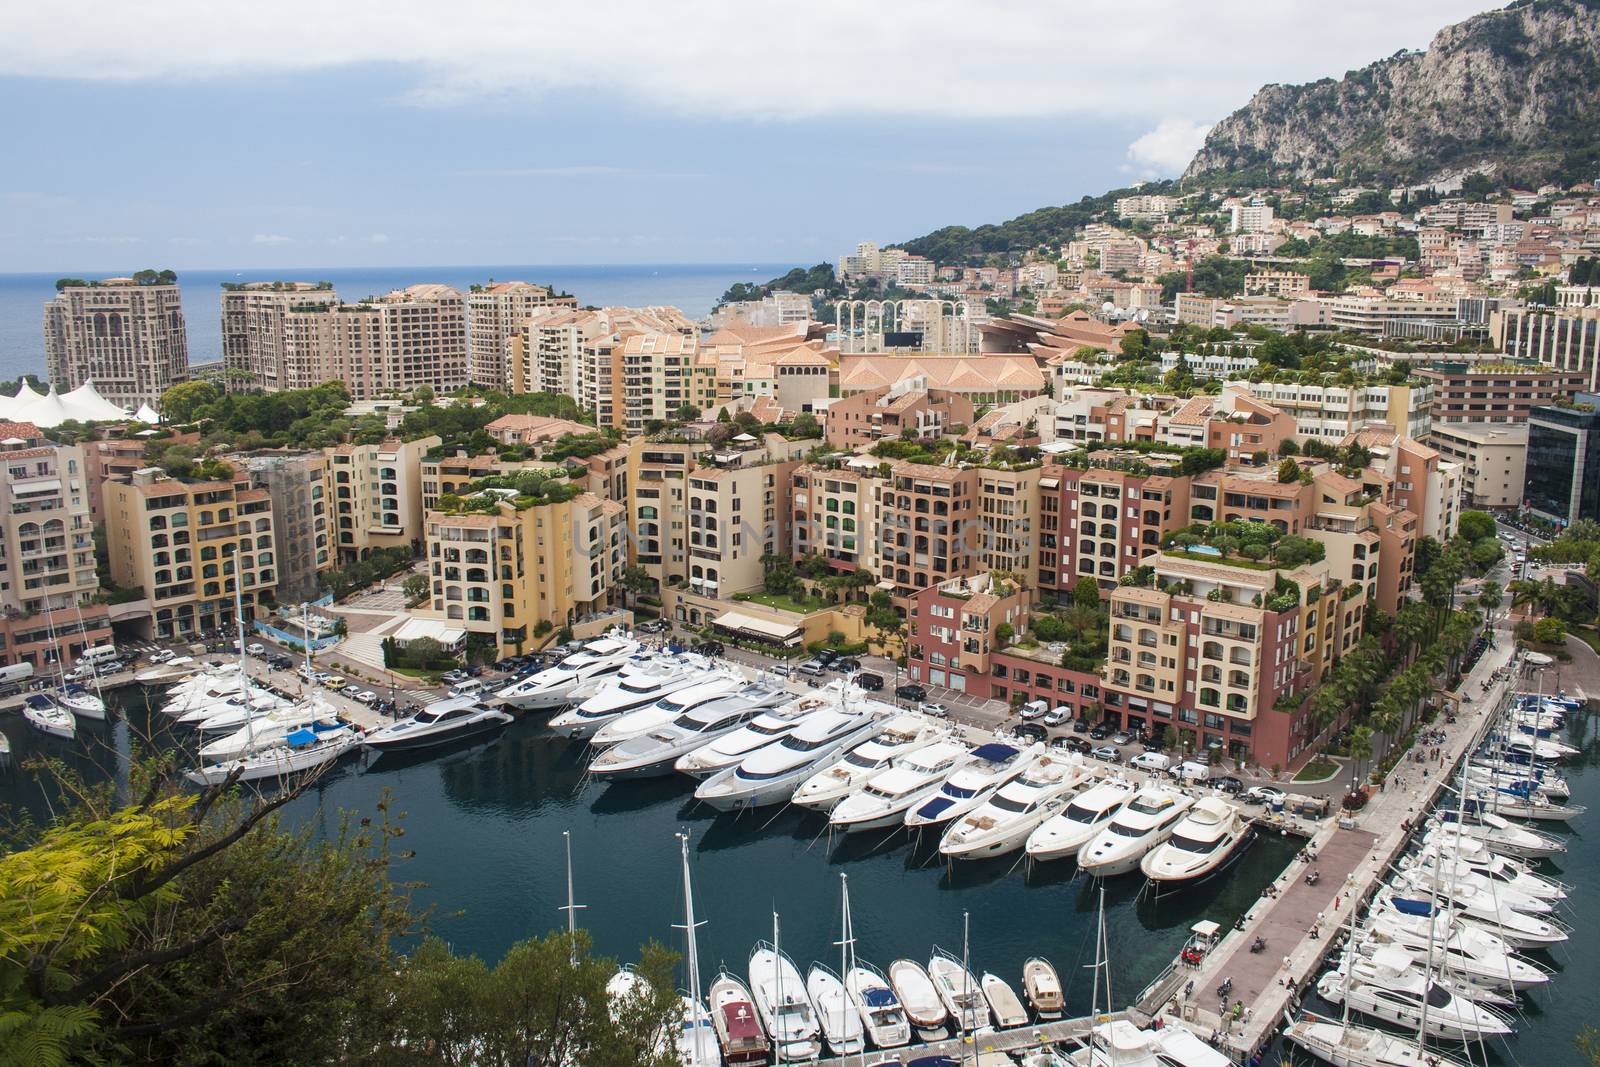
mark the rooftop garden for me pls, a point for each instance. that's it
(1078, 622)
(527, 489)
(1252, 545)
(140, 277)
(1192, 460)
(276, 286)
(944, 450)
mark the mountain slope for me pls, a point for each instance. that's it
(1518, 89)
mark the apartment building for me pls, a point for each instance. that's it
(180, 542)
(544, 351)
(1218, 654)
(661, 374)
(47, 567)
(1563, 465)
(780, 308)
(953, 626)
(905, 409)
(1333, 412)
(802, 380)
(106, 459)
(377, 495)
(502, 572)
(497, 312)
(254, 335)
(1421, 481)
(1102, 522)
(1567, 340)
(301, 490)
(927, 519)
(1369, 312)
(391, 344)
(1493, 458)
(1146, 207)
(738, 508)
(1495, 392)
(914, 272)
(1211, 365)
(126, 336)
(835, 514)
(1277, 283)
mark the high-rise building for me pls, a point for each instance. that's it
(180, 540)
(302, 524)
(498, 311)
(390, 344)
(254, 314)
(661, 374)
(377, 495)
(47, 571)
(125, 335)
(1564, 460)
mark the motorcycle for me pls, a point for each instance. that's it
(1258, 945)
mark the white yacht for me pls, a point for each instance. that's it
(959, 991)
(1510, 885)
(841, 1024)
(1467, 854)
(1344, 1044)
(901, 737)
(1498, 835)
(1002, 823)
(1004, 1003)
(438, 723)
(1485, 909)
(1494, 772)
(990, 767)
(43, 713)
(884, 799)
(1119, 1043)
(696, 1039)
(713, 685)
(167, 671)
(785, 1009)
(205, 688)
(924, 1009)
(303, 750)
(1519, 803)
(550, 688)
(1147, 820)
(768, 728)
(232, 711)
(1470, 950)
(653, 754)
(769, 775)
(270, 729)
(1485, 970)
(1390, 987)
(1203, 843)
(1539, 749)
(879, 1006)
(81, 701)
(630, 692)
(1063, 834)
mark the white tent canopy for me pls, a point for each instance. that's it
(147, 415)
(45, 410)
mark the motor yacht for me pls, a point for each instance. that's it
(875, 1001)
(769, 775)
(303, 750)
(1148, 819)
(785, 1008)
(1064, 834)
(438, 723)
(990, 767)
(1542, 750)
(270, 729)
(1483, 908)
(1042, 986)
(739, 1031)
(1389, 986)
(1004, 1003)
(653, 754)
(1002, 823)
(1345, 1044)
(924, 1008)
(713, 685)
(43, 713)
(768, 728)
(1465, 853)
(1468, 952)
(630, 692)
(551, 688)
(883, 800)
(959, 991)
(1204, 842)
(901, 737)
(841, 1024)
(232, 711)
(1119, 1043)
(206, 688)
(1497, 834)
(1509, 880)
(81, 701)
(175, 669)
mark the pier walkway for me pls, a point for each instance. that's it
(1353, 855)
(1016, 1039)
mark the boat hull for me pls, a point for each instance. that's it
(412, 743)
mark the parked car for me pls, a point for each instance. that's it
(782, 670)
(911, 691)
(333, 681)
(1080, 726)
(1264, 794)
(1152, 745)
(1109, 753)
(474, 670)
(255, 648)
(1121, 737)
(1057, 716)
(469, 688)
(1032, 731)
(812, 667)
(454, 677)
(366, 696)
(507, 664)
(162, 655)
(847, 665)
(1228, 784)
(872, 683)
(1100, 732)
(654, 626)
(826, 657)
(307, 672)
(1072, 743)
(1154, 762)
(938, 711)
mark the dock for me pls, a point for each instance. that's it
(1016, 1039)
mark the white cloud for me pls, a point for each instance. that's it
(1116, 59)
(582, 170)
(1167, 149)
(270, 239)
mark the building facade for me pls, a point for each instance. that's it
(1495, 393)
(1493, 458)
(254, 334)
(497, 312)
(377, 496)
(1563, 466)
(126, 337)
(301, 491)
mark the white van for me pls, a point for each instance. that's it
(98, 654)
(469, 688)
(1190, 771)
(1154, 762)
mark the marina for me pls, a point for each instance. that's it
(517, 786)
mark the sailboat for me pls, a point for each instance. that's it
(841, 1025)
(44, 714)
(697, 1041)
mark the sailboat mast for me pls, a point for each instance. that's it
(694, 958)
(572, 908)
(966, 982)
(777, 965)
(244, 675)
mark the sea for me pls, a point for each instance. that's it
(692, 287)
(486, 822)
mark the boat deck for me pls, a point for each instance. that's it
(1015, 1039)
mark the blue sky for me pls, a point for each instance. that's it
(482, 132)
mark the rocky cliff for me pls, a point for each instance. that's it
(1517, 89)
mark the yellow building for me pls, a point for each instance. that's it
(377, 495)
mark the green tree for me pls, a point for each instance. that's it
(1086, 594)
(1475, 525)
(1288, 471)
(182, 402)
(1135, 344)
(416, 589)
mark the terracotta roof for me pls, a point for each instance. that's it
(960, 374)
(1194, 412)
(27, 431)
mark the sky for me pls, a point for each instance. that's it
(193, 134)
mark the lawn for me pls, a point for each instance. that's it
(784, 602)
(1317, 770)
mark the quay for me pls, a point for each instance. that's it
(1016, 1039)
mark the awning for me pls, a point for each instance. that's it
(446, 635)
(757, 627)
(44, 485)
